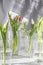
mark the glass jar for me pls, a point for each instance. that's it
(37, 45)
(24, 45)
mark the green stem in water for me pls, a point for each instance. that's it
(14, 45)
(39, 30)
(4, 54)
(30, 45)
(4, 46)
(3, 34)
(39, 43)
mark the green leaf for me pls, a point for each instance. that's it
(0, 26)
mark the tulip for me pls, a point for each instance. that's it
(39, 31)
(20, 19)
(4, 30)
(31, 33)
(15, 26)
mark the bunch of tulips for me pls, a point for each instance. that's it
(15, 24)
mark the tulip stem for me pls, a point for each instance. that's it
(14, 45)
(39, 43)
(30, 45)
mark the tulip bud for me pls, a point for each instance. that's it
(32, 23)
(20, 19)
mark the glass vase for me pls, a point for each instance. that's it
(24, 45)
(37, 45)
(14, 39)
